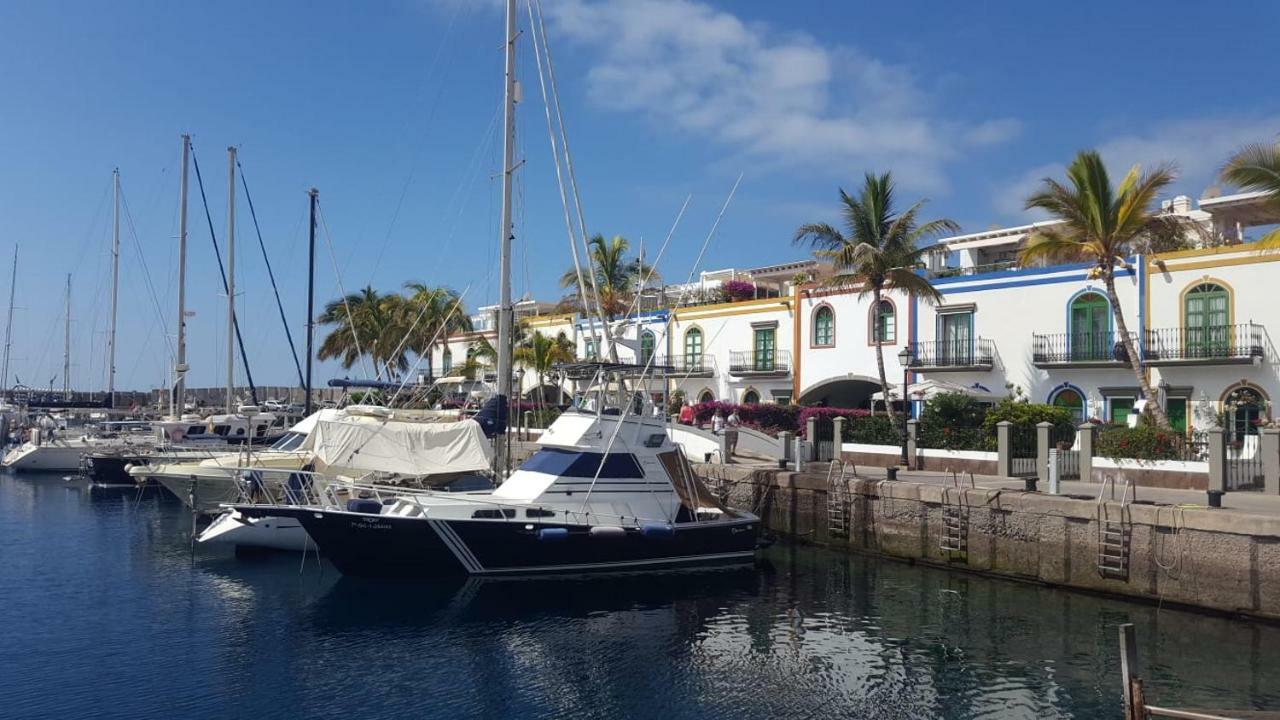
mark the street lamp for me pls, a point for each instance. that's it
(904, 359)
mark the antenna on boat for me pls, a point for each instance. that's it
(66, 347)
(8, 327)
(115, 289)
(312, 195)
(504, 284)
(231, 277)
(177, 400)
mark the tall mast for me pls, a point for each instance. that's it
(313, 194)
(8, 327)
(66, 347)
(508, 162)
(231, 276)
(115, 289)
(178, 400)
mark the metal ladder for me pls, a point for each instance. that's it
(838, 500)
(955, 518)
(1114, 529)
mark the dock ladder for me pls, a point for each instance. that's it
(839, 499)
(955, 518)
(1115, 529)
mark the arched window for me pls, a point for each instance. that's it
(646, 346)
(693, 350)
(1071, 399)
(824, 327)
(1091, 328)
(446, 361)
(1244, 409)
(1206, 320)
(884, 326)
(751, 397)
(706, 397)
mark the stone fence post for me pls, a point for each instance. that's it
(837, 438)
(784, 440)
(1217, 466)
(1004, 449)
(1270, 449)
(811, 438)
(1086, 452)
(913, 443)
(1043, 441)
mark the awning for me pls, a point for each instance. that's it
(928, 389)
(365, 444)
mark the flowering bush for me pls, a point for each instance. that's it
(735, 290)
(827, 414)
(767, 418)
(1144, 442)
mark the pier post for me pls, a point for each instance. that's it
(1085, 434)
(1043, 438)
(1217, 466)
(811, 438)
(1128, 668)
(1004, 449)
(837, 433)
(784, 441)
(1270, 450)
(913, 443)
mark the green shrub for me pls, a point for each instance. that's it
(1145, 442)
(1025, 416)
(953, 421)
(872, 430)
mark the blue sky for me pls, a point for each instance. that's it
(389, 109)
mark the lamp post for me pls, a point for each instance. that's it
(904, 359)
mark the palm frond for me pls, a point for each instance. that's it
(908, 281)
(1254, 167)
(1050, 246)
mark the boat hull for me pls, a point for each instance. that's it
(269, 533)
(110, 469)
(363, 544)
(46, 458)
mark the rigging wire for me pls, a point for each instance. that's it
(293, 349)
(235, 320)
(351, 322)
(146, 272)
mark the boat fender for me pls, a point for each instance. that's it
(607, 531)
(553, 534)
(657, 531)
(364, 505)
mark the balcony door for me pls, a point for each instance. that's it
(1207, 317)
(955, 333)
(764, 349)
(1090, 328)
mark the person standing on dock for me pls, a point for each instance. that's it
(731, 425)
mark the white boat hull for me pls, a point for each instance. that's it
(273, 533)
(51, 457)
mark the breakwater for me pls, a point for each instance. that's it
(1214, 559)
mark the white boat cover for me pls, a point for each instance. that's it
(309, 422)
(406, 448)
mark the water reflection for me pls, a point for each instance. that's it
(109, 583)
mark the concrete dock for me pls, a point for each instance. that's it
(1158, 545)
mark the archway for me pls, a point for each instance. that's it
(850, 391)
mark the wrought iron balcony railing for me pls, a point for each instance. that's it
(689, 364)
(1220, 344)
(1079, 348)
(976, 354)
(749, 362)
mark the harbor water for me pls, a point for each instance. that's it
(109, 614)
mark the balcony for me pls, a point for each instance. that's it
(1222, 345)
(1080, 350)
(750, 362)
(699, 365)
(953, 356)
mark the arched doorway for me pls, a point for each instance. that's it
(1091, 328)
(850, 391)
(1206, 320)
(1071, 399)
(751, 397)
(1244, 408)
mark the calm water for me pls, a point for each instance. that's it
(105, 615)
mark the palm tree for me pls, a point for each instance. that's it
(361, 320)
(430, 315)
(879, 251)
(617, 277)
(1101, 224)
(1257, 167)
(540, 353)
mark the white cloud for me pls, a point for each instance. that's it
(774, 97)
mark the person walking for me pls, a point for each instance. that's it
(717, 422)
(732, 423)
(686, 414)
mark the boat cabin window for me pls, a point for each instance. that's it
(222, 429)
(290, 441)
(195, 430)
(494, 514)
(539, 513)
(572, 463)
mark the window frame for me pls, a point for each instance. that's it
(814, 340)
(874, 315)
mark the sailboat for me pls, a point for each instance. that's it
(607, 489)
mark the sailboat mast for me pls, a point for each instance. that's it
(8, 327)
(231, 276)
(66, 347)
(505, 327)
(177, 401)
(115, 289)
(313, 194)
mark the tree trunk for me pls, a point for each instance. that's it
(884, 381)
(1135, 362)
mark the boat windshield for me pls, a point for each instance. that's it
(290, 441)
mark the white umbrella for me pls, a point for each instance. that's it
(928, 389)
